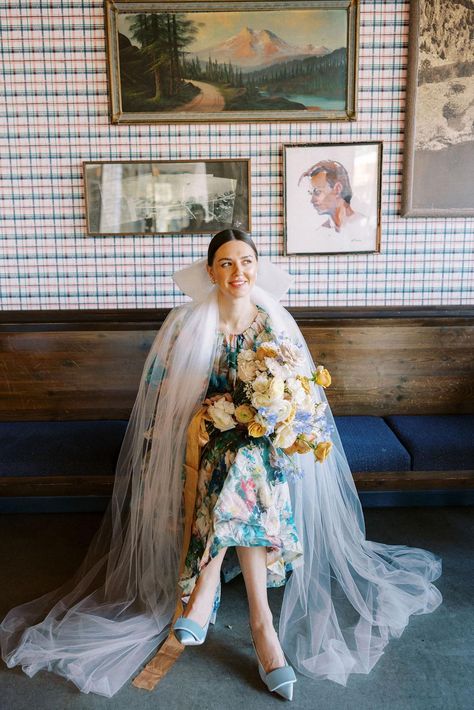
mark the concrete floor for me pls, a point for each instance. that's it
(430, 667)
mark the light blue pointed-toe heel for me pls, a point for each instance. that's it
(279, 680)
(189, 632)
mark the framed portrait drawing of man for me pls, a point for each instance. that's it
(332, 195)
(166, 197)
(438, 171)
(226, 60)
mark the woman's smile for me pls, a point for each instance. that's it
(234, 269)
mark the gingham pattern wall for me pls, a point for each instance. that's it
(54, 115)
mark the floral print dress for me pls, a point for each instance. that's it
(243, 497)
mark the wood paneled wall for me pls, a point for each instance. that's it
(87, 364)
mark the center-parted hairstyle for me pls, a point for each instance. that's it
(228, 235)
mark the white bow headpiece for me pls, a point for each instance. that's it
(194, 280)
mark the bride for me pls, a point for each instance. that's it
(196, 483)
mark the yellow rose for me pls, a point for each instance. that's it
(244, 413)
(267, 350)
(302, 446)
(322, 450)
(304, 383)
(322, 377)
(256, 430)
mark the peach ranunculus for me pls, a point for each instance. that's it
(256, 429)
(244, 413)
(246, 365)
(322, 376)
(267, 350)
(322, 450)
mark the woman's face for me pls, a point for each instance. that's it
(234, 269)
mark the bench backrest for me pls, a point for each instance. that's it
(58, 365)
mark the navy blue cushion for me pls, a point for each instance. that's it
(87, 448)
(436, 442)
(371, 445)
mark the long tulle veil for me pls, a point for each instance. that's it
(339, 608)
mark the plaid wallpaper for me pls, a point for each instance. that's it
(54, 115)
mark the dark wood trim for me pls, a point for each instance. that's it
(152, 318)
(55, 485)
(413, 480)
(12, 486)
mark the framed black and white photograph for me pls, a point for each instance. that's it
(438, 172)
(172, 197)
(332, 195)
(232, 61)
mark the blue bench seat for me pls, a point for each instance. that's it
(442, 442)
(370, 445)
(65, 448)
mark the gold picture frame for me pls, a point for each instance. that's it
(201, 61)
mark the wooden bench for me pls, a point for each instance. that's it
(85, 366)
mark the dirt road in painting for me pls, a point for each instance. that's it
(210, 99)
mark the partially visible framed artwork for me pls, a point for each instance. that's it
(438, 175)
(332, 196)
(172, 197)
(222, 60)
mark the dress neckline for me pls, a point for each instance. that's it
(250, 325)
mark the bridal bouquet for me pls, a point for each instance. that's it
(273, 398)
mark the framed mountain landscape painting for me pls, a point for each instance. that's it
(186, 61)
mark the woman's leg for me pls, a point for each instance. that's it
(253, 563)
(201, 600)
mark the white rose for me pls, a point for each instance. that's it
(246, 365)
(260, 384)
(307, 404)
(221, 413)
(297, 392)
(319, 409)
(276, 388)
(291, 354)
(261, 399)
(274, 392)
(285, 436)
(277, 370)
(282, 408)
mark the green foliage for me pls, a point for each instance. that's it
(162, 37)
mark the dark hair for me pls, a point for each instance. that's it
(228, 235)
(335, 172)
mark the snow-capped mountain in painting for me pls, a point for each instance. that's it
(254, 49)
